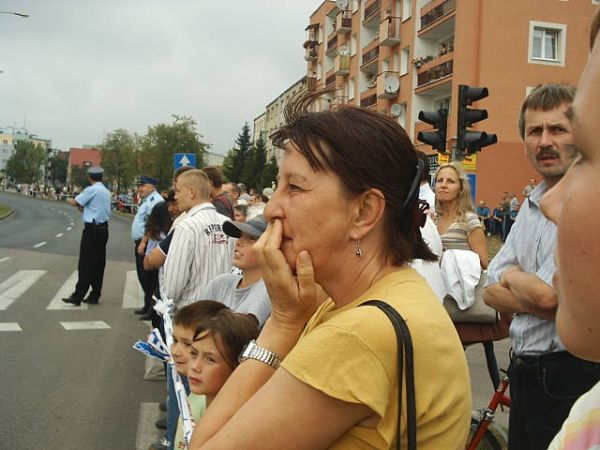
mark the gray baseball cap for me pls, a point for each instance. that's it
(253, 228)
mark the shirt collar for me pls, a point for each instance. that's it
(537, 193)
(200, 207)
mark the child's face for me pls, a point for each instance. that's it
(207, 369)
(182, 341)
(239, 216)
(244, 256)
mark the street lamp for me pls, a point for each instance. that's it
(14, 13)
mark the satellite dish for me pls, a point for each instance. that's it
(396, 109)
(391, 84)
(342, 4)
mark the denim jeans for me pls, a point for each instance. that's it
(172, 407)
(542, 391)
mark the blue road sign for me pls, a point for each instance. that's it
(473, 184)
(184, 159)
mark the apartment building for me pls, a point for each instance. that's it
(9, 136)
(272, 118)
(400, 57)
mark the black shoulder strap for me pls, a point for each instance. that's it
(404, 341)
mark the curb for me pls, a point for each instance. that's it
(8, 214)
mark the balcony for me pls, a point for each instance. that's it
(389, 31)
(332, 45)
(311, 53)
(435, 11)
(437, 69)
(312, 35)
(372, 13)
(388, 84)
(330, 78)
(340, 100)
(311, 84)
(343, 22)
(342, 65)
(368, 98)
(370, 58)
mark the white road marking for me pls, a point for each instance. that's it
(59, 235)
(133, 295)
(65, 290)
(12, 288)
(41, 244)
(85, 325)
(147, 433)
(10, 326)
(69, 229)
(71, 224)
(6, 258)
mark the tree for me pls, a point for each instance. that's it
(26, 163)
(119, 158)
(269, 173)
(58, 167)
(235, 161)
(255, 164)
(162, 141)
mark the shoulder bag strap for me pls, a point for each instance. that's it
(404, 341)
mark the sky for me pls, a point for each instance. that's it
(78, 69)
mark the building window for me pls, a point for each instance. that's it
(547, 43)
(351, 89)
(404, 57)
(406, 9)
(353, 45)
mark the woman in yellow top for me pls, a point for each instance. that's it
(345, 215)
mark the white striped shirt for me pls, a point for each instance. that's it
(199, 251)
(530, 245)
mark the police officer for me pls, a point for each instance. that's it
(94, 203)
(150, 198)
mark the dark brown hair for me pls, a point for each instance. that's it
(545, 97)
(365, 150)
(214, 175)
(180, 171)
(191, 315)
(231, 331)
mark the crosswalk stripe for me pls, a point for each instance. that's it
(10, 326)
(12, 288)
(147, 433)
(133, 295)
(85, 325)
(65, 290)
(6, 258)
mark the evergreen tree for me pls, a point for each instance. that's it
(259, 162)
(269, 173)
(236, 159)
(26, 163)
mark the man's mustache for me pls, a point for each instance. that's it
(547, 151)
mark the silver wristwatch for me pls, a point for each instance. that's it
(253, 351)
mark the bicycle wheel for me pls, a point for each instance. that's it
(493, 439)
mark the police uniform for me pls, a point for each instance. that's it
(138, 228)
(95, 201)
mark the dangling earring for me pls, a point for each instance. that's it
(358, 252)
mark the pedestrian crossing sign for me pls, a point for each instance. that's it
(184, 159)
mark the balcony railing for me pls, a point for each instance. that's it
(330, 80)
(370, 55)
(343, 23)
(342, 64)
(389, 31)
(311, 53)
(332, 44)
(368, 101)
(372, 9)
(435, 73)
(436, 13)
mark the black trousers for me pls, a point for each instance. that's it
(92, 260)
(542, 391)
(148, 278)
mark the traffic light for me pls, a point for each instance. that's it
(472, 141)
(439, 120)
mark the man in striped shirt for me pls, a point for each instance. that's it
(199, 249)
(545, 379)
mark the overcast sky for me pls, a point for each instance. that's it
(77, 69)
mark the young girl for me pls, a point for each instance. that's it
(213, 355)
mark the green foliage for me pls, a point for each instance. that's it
(255, 164)
(58, 168)
(79, 176)
(119, 154)
(234, 165)
(162, 141)
(26, 163)
(269, 174)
